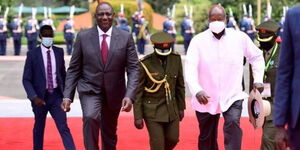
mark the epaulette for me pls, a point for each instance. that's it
(175, 53)
(144, 58)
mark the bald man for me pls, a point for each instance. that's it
(97, 68)
(215, 92)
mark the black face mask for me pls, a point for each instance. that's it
(266, 46)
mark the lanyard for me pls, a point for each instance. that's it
(271, 58)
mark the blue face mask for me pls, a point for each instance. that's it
(47, 41)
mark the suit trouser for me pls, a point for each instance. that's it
(163, 135)
(97, 116)
(208, 125)
(17, 46)
(294, 136)
(53, 102)
(3, 47)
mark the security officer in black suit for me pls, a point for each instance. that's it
(160, 100)
(3, 35)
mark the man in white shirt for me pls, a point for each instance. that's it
(214, 70)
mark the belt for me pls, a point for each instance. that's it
(55, 89)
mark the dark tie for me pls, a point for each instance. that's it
(104, 49)
(49, 73)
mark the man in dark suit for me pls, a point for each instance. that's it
(287, 97)
(97, 68)
(43, 80)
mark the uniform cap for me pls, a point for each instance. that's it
(268, 26)
(162, 40)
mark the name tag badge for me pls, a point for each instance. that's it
(267, 90)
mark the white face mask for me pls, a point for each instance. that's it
(217, 26)
(47, 41)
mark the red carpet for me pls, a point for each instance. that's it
(16, 134)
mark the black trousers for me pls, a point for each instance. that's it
(53, 101)
(208, 125)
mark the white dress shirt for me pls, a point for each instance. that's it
(216, 66)
(108, 33)
(53, 65)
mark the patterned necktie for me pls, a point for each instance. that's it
(49, 73)
(104, 49)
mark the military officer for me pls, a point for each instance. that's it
(251, 28)
(16, 27)
(143, 31)
(124, 25)
(121, 16)
(267, 33)
(48, 21)
(3, 35)
(169, 26)
(31, 33)
(69, 35)
(187, 31)
(231, 21)
(281, 23)
(122, 22)
(244, 24)
(135, 24)
(161, 94)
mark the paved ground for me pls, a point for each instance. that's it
(12, 95)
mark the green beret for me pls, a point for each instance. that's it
(162, 40)
(268, 26)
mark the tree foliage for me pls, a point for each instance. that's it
(200, 11)
(161, 6)
(236, 6)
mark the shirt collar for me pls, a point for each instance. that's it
(213, 36)
(100, 32)
(45, 49)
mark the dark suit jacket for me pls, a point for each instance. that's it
(87, 72)
(34, 75)
(287, 96)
